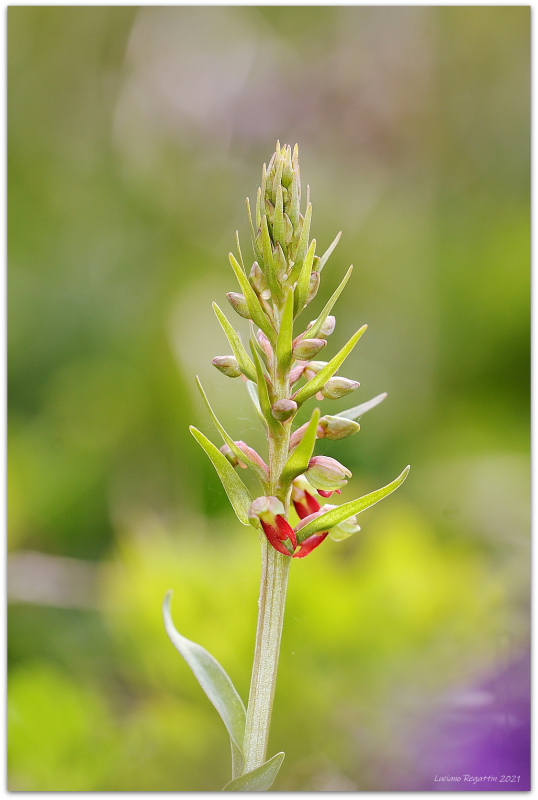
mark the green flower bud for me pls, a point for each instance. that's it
(338, 387)
(337, 427)
(227, 365)
(308, 348)
(284, 409)
(239, 304)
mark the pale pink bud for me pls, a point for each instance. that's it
(308, 348)
(338, 427)
(227, 365)
(338, 387)
(284, 409)
(239, 304)
(259, 281)
(326, 473)
(327, 328)
(313, 288)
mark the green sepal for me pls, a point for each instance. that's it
(328, 252)
(297, 463)
(318, 324)
(340, 513)
(217, 685)
(317, 383)
(237, 492)
(260, 472)
(302, 245)
(256, 311)
(268, 262)
(357, 411)
(284, 343)
(243, 358)
(258, 780)
(263, 393)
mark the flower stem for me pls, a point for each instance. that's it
(272, 602)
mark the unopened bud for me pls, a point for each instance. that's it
(338, 387)
(327, 328)
(281, 264)
(312, 368)
(306, 349)
(239, 304)
(252, 454)
(259, 281)
(265, 345)
(338, 427)
(284, 409)
(296, 373)
(232, 458)
(227, 365)
(326, 473)
(314, 286)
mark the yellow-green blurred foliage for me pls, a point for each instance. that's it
(134, 136)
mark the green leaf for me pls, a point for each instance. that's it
(302, 245)
(318, 324)
(239, 251)
(297, 463)
(317, 383)
(327, 254)
(255, 247)
(303, 281)
(358, 411)
(269, 263)
(256, 311)
(260, 472)
(263, 393)
(252, 390)
(216, 684)
(284, 343)
(234, 487)
(260, 779)
(243, 359)
(279, 227)
(340, 513)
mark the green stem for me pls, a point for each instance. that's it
(272, 602)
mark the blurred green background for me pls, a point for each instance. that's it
(134, 136)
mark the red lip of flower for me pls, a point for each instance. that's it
(269, 512)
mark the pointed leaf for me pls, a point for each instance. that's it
(258, 780)
(268, 262)
(215, 682)
(318, 324)
(279, 227)
(327, 254)
(243, 359)
(303, 281)
(284, 343)
(240, 254)
(256, 311)
(317, 383)
(260, 472)
(302, 245)
(297, 463)
(358, 411)
(263, 393)
(340, 513)
(252, 390)
(234, 487)
(255, 247)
